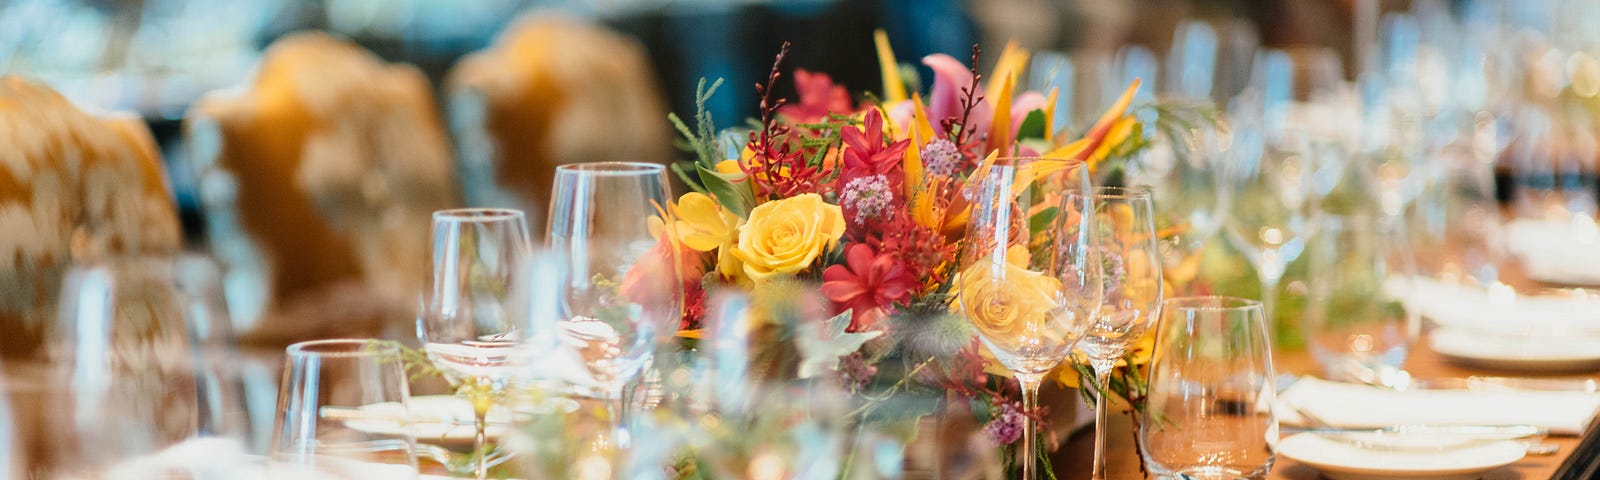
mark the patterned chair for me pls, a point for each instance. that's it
(551, 90)
(317, 182)
(73, 187)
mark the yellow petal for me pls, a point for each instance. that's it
(1050, 114)
(1006, 69)
(1000, 129)
(894, 90)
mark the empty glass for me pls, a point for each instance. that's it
(343, 413)
(120, 383)
(1210, 413)
(1356, 323)
(1030, 277)
(1124, 236)
(620, 292)
(1552, 159)
(475, 309)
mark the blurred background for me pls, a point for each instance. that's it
(157, 57)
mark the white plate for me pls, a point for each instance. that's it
(1522, 353)
(1412, 456)
(446, 419)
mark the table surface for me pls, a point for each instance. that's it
(1074, 459)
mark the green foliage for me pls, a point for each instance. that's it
(729, 189)
(1032, 125)
(700, 140)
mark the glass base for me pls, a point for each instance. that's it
(1214, 472)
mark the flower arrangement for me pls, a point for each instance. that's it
(864, 199)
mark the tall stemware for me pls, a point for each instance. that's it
(1029, 280)
(620, 289)
(1122, 228)
(1284, 158)
(470, 325)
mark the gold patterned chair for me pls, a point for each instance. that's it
(317, 182)
(73, 188)
(551, 90)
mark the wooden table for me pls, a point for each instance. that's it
(1074, 459)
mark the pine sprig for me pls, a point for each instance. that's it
(701, 140)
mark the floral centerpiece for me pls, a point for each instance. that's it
(863, 198)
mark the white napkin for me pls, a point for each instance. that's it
(1503, 311)
(1361, 406)
(1565, 252)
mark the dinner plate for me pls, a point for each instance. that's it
(1409, 455)
(445, 419)
(1521, 353)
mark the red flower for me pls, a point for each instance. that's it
(865, 154)
(819, 96)
(867, 284)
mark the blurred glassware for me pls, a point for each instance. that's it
(223, 406)
(324, 376)
(511, 131)
(1124, 237)
(1553, 162)
(1210, 412)
(1192, 61)
(315, 180)
(621, 290)
(471, 322)
(1030, 278)
(120, 360)
(1356, 324)
(1454, 228)
(764, 418)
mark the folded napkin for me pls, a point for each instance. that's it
(1565, 252)
(1454, 305)
(1361, 406)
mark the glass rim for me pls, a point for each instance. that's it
(477, 214)
(1211, 303)
(1137, 192)
(610, 168)
(342, 348)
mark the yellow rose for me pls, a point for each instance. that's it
(788, 235)
(1002, 298)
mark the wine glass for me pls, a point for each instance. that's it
(620, 290)
(470, 324)
(1029, 280)
(1356, 325)
(119, 378)
(1122, 226)
(343, 411)
(1209, 413)
(1285, 156)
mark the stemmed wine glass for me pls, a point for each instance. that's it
(620, 289)
(470, 324)
(1285, 157)
(1122, 229)
(1029, 280)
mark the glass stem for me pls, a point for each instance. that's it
(480, 392)
(1102, 374)
(1030, 402)
(1271, 272)
(480, 441)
